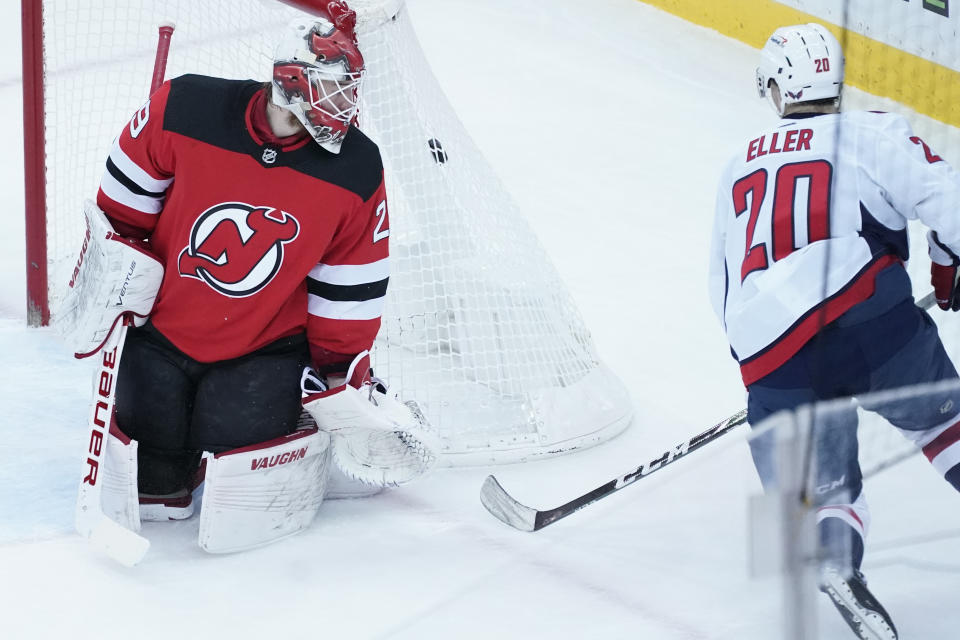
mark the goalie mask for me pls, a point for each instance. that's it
(317, 72)
(806, 62)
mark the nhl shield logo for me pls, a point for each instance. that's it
(237, 248)
(269, 155)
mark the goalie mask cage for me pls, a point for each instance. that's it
(478, 327)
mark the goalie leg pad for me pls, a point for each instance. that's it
(262, 493)
(118, 495)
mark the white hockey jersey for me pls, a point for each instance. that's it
(807, 214)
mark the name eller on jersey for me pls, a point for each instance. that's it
(793, 140)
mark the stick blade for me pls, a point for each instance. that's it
(118, 542)
(504, 508)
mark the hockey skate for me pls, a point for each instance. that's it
(861, 610)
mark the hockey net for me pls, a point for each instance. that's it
(478, 327)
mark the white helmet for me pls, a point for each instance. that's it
(806, 62)
(317, 73)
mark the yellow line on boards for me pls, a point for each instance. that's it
(872, 66)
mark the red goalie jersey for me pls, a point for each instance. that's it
(260, 240)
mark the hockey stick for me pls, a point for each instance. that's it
(163, 49)
(927, 301)
(519, 516)
(116, 541)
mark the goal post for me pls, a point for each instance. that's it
(478, 327)
(35, 195)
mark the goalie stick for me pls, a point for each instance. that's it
(123, 545)
(164, 34)
(116, 541)
(519, 516)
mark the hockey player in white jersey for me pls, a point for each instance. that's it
(807, 276)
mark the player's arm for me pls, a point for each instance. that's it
(717, 281)
(917, 181)
(348, 288)
(139, 170)
(922, 185)
(376, 438)
(116, 273)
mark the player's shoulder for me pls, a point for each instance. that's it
(877, 121)
(357, 168)
(195, 85)
(197, 102)
(360, 148)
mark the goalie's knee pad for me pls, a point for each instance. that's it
(262, 493)
(377, 439)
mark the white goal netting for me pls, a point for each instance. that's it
(478, 329)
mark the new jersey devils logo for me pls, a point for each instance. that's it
(237, 248)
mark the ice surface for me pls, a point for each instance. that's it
(609, 122)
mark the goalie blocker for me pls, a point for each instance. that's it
(114, 276)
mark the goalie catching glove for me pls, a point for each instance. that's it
(376, 438)
(114, 275)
